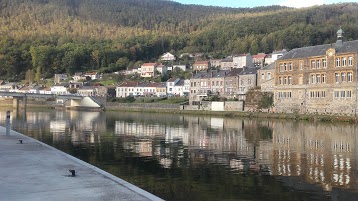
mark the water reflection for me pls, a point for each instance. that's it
(196, 154)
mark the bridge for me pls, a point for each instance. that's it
(76, 100)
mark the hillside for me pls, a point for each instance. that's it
(44, 37)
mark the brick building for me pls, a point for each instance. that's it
(318, 79)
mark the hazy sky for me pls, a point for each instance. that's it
(255, 3)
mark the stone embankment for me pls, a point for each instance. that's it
(32, 170)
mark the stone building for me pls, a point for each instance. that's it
(247, 81)
(201, 65)
(266, 78)
(232, 83)
(318, 79)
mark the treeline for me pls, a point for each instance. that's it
(44, 37)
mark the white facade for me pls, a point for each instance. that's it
(168, 57)
(59, 89)
(242, 61)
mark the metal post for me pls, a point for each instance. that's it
(8, 123)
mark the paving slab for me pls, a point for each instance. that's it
(36, 171)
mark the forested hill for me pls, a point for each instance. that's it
(56, 36)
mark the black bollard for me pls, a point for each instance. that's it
(73, 172)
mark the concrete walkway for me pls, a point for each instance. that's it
(36, 171)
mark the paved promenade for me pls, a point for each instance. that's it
(35, 171)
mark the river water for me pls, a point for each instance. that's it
(181, 157)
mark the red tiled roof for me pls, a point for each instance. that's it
(149, 64)
(128, 84)
(201, 62)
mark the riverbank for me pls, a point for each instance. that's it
(32, 170)
(233, 114)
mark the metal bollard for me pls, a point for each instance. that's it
(8, 123)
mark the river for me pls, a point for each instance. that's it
(184, 157)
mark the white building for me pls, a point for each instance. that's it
(170, 85)
(60, 89)
(168, 57)
(242, 60)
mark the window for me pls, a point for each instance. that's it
(268, 76)
(249, 81)
(284, 80)
(312, 79)
(263, 76)
(313, 64)
(280, 80)
(242, 82)
(344, 62)
(343, 75)
(323, 78)
(349, 94)
(323, 94)
(285, 66)
(324, 63)
(336, 94)
(343, 94)
(350, 61)
(318, 78)
(290, 80)
(281, 68)
(337, 77)
(338, 62)
(301, 65)
(349, 76)
(318, 63)
(290, 66)
(311, 94)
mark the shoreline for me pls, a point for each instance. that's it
(228, 114)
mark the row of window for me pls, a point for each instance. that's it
(342, 94)
(318, 63)
(218, 83)
(343, 77)
(285, 94)
(285, 80)
(342, 61)
(317, 94)
(318, 78)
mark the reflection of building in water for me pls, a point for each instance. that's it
(320, 153)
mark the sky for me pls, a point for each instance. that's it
(255, 3)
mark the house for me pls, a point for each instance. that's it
(181, 67)
(270, 58)
(168, 57)
(8, 86)
(126, 89)
(60, 88)
(259, 59)
(60, 78)
(78, 76)
(318, 79)
(232, 83)
(242, 60)
(150, 89)
(170, 85)
(215, 63)
(92, 75)
(227, 63)
(247, 81)
(201, 65)
(186, 89)
(205, 83)
(161, 89)
(266, 78)
(162, 69)
(87, 91)
(148, 69)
